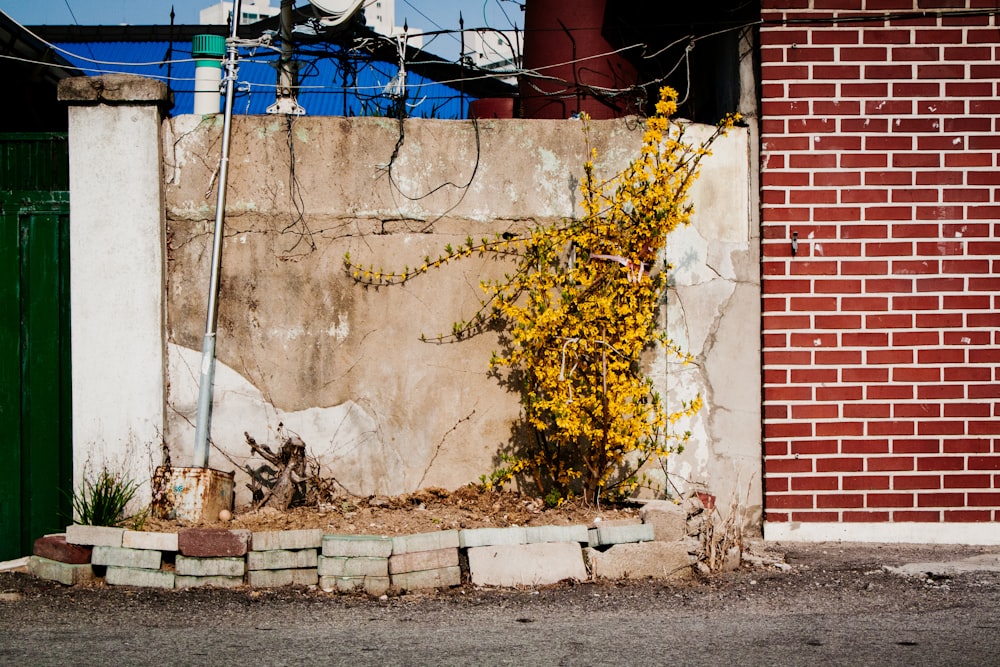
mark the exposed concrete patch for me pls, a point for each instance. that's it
(982, 563)
(343, 438)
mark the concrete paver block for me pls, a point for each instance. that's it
(669, 520)
(137, 539)
(657, 560)
(210, 567)
(371, 546)
(215, 581)
(279, 578)
(444, 577)
(55, 547)
(444, 539)
(423, 560)
(281, 559)
(539, 534)
(370, 585)
(360, 566)
(213, 542)
(129, 576)
(486, 537)
(141, 559)
(16, 565)
(271, 540)
(93, 536)
(526, 564)
(68, 574)
(604, 535)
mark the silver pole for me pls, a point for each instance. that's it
(205, 387)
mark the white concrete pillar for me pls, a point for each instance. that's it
(116, 274)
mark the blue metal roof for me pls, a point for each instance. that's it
(333, 82)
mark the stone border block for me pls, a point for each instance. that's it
(271, 540)
(129, 576)
(215, 581)
(621, 534)
(526, 564)
(68, 574)
(55, 547)
(423, 560)
(279, 578)
(444, 539)
(441, 578)
(361, 566)
(487, 537)
(213, 542)
(210, 567)
(94, 536)
(669, 520)
(137, 539)
(139, 559)
(17, 565)
(370, 585)
(543, 534)
(282, 559)
(641, 560)
(371, 546)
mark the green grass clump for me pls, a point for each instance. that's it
(103, 502)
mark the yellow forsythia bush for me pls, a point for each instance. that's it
(578, 313)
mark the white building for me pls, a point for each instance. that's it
(494, 49)
(251, 11)
(380, 16)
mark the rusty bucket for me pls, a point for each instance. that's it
(191, 494)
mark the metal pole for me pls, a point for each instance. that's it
(461, 66)
(205, 387)
(288, 69)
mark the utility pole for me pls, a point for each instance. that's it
(461, 65)
(288, 68)
(206, 383)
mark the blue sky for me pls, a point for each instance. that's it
(423, 14)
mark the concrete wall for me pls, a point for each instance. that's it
(343, 366)
(117, 295)
(301, 345)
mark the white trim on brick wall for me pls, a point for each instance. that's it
(906, 533)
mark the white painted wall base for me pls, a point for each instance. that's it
(905, 533)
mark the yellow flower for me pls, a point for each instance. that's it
(577, 330)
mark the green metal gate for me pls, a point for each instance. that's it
(36, 445)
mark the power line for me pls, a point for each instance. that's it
(75, 21)
(480, 74)
(433, 23)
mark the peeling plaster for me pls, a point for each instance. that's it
(344, 438)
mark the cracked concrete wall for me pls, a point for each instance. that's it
(344, 367)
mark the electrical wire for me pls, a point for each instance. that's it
(423, 88)
(157, 63)
(431, 21)
(75, 21)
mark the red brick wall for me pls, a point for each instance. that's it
(881, 337)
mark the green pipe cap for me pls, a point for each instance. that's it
(208, 46)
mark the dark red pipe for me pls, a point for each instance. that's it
(560, 38)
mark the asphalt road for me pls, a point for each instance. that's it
(830, 609)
